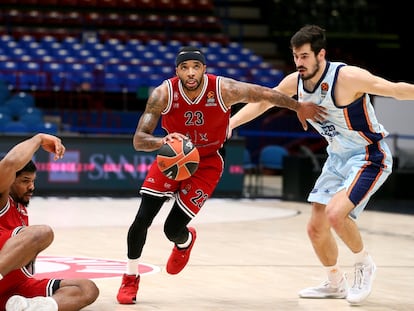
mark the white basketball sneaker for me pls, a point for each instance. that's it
(363, 278)
(20, 303)
(326, 290)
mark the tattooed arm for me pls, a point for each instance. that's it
(263, 98)
(240, 92)
(143, 139)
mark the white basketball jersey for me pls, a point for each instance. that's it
(348, 128)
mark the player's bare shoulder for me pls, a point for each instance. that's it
(350, 84)
(350, 74)
(232, 90)
(228, 84)
(158, 99)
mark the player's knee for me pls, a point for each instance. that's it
(318, 223)
(83, 291)
(90, 291)
(336, 217)
(174, 234)
(40, 235)
(170, 232)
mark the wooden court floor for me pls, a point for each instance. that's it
(250, 254)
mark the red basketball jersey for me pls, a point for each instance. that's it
(204, 120)
(13, 215)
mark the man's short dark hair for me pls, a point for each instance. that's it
(312, 34)
(30, 167)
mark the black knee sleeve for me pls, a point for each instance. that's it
(175, 227)
(137, 233)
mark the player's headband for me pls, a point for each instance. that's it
(190, 55)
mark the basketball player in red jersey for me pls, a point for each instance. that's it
(196, 105)
(20, 243)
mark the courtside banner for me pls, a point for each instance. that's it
(109, 166)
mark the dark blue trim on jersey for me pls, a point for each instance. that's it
(335, 78)
(358, 119)
(369, 174)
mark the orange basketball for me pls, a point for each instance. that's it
(178, 159)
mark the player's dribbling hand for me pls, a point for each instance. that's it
(172, 136)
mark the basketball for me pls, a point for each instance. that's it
(178, 159)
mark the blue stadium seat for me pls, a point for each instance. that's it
(29, 81)
(47, 127)
(112, 83)
(16, 106)
(26, 97)
(133, 81)
(33, 111)
(8, 65)
(271, 157)
(31, 120)
(4, 119)
(4, 90)
(15, 127)
(29, 66)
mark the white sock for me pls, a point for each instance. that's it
(187, 243)
(132, 266)
(54, 302)
(335, 274)
(361, 257)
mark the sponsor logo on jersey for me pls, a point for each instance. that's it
(211, 99)
(324, 89)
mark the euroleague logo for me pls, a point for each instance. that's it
(89, 268)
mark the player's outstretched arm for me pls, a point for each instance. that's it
(241, 92)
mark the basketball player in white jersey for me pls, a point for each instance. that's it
(358, 163)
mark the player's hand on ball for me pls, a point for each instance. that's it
(178, 158)
(172, 136)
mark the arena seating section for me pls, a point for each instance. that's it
(78, 57)
(114, 45)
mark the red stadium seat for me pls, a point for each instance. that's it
(93, 19)
(165, 4)
(204, 5)
(30, 2)
(173, 21)
(33, 17)
(112, 19)
(47, 2)
(68, 3)
(185, 4)
(192, 22)
(72, 18)
(145, 4)
(153, 21)
(126, 4)
(52, 18)
(87, 3)
(133, 20)
(106, 3)
(13, 16)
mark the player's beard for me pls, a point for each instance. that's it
(310, 74)
(23, 201)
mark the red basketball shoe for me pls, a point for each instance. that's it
(127, 293)
(179, 257)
